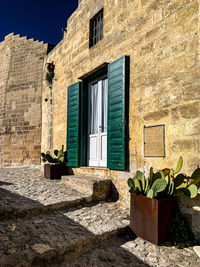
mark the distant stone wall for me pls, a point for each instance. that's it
(21, 70)
(162, 40)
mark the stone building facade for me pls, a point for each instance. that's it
(21, 69)
(161, 41)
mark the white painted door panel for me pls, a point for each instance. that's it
(97, 123)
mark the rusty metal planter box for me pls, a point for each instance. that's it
(150, 219)
(55, 171)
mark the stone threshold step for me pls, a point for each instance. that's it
(99, 188)
(33, 241)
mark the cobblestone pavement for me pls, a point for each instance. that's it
(58, 231)
(27, 188)
(84, 229)
(82, 236)
(133, 253)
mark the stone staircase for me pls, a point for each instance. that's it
(38, 240)
(91, 190)
(35, 234)
(72, 223)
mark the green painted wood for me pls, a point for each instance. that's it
(73, 114)
(84, 123)
(117, 91)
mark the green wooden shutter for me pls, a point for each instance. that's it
(117, 90)
(73, 106)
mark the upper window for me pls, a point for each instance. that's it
(96, 28)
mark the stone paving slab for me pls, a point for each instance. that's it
(23, 189)
(25, 241)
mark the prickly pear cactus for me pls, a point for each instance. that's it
(171, 189)
(59, 157)
(179, 180)
(137, 185)
(146, 186)
(195, 178)
(191, 191)
(164, 183)
(130, 183)
(166, 171)
(140, 176)
(50, 158)
(179, 165)
(150, 194)
(56, 152)
(159, 185)
(151, 174)
(162, 174)
(60, 153)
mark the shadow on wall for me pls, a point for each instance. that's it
(56, 231)
(191, 211)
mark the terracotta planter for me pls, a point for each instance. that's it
(55, 171)
(150, 219)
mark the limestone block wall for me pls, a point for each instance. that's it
(162, 40)
(21, 70)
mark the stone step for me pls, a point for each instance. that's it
(127, 250)
(53, 236)
(99, 188)
(92, 171)
(36, 208)
(24, 192)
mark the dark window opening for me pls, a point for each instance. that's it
(96, 28)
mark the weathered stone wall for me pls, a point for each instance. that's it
(162, 40)
(21, 70)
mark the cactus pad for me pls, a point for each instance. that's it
(162, 174)
(56, 152)
(150, 194)
(146, 186)
(179, 165)
(195, 178)
(130, 183)
(191, 191)
(151, 177)
(166, 171)
(137, 184)
(159, 185)
(141, 178)
(171, 189)
(179, 180)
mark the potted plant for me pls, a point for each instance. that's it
(153, 200)
(56, 166)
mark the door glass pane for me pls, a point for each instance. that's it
(94, 108)
(104, 104)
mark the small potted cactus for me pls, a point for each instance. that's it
(56, 166)
(153, 200)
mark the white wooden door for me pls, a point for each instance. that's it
(97, 123)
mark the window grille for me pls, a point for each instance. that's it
(96, 28)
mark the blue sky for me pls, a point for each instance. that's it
(39, 19)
